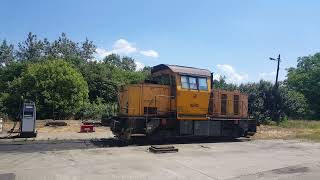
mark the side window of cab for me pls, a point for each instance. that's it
(203, 86)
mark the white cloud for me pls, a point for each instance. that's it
(231, 74)
(124, 47)
(269, 76)
(150, 53)
(121, 47)
(139, 65)
(101, 53)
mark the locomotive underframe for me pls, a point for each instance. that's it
(166, 127)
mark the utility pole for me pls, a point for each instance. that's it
(278, 60)
(275, 113)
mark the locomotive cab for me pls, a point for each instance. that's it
(190, 89)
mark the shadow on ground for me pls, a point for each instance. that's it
(55, 145)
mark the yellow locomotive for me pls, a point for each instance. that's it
(180, 101)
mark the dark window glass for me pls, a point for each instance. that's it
(165, 80)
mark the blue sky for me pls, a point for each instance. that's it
(230, 37)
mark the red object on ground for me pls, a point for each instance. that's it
(87, 123)
(86, 128)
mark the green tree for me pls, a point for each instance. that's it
(122, 77)
(223, 85)
(65, 48)
(6, 53)
(113, 60)
(56, 87)
(88, 49)
(100, 82)
(128, 64)
(70, 51)
(2, 110)
(47, 50)
(9, 73)
(9, 97)
(97, 109)
(294, 104)
(125, 63)
(31, 49)
(305, 78)
(147, 72)
(260, 99)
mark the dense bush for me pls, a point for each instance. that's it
(97, 110)
(305, 79)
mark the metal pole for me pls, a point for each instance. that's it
(277, 72)
(277, 93)
(275, 115)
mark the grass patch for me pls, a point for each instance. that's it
(291, 129)
(313, 135)
(300, 124)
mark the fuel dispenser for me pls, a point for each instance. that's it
(28, 120)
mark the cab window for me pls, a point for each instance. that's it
(184, 82)
(163, 79)
(193, 83)
(188, 82)
(203, 84)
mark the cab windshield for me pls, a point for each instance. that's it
(194, 83)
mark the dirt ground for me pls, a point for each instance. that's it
(263, 132)
(274, 132)
(72, 126)
(71, 131)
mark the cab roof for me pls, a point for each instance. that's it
(181, 70)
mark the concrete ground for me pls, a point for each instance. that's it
(256, 159)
